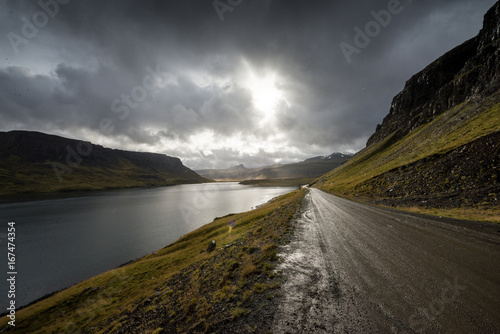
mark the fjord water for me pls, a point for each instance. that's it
(62, 241)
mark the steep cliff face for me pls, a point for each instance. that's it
(37, 162)
(469, 72)
(437, 150)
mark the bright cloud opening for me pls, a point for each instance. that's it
(266, 92)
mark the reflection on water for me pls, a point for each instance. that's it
(62, 241)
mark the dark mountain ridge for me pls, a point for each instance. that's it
(469, 72)
(37, 162)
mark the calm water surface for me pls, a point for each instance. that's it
(60, 242)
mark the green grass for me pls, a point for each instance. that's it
(182, 283)
(238, 312)
(41, 178)
(484, 214)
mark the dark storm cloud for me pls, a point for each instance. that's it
(67, 75)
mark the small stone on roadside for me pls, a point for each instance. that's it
(211, 246)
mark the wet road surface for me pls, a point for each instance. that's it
(354, 268)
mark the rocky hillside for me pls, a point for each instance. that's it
(469, 72)
(437, 150)
(310, 168)
(37, 162)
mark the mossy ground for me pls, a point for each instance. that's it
(41, 178)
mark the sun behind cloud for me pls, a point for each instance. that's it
(265, 91)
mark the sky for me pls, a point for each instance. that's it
(219, 83)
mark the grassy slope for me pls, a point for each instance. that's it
(454, 128)
(181, 287)
(42, 178)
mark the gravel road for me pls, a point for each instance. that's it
(354, 268)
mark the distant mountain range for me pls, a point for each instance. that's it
(310, 168)
(38, 162)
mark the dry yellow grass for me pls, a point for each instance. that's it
(475, 214)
